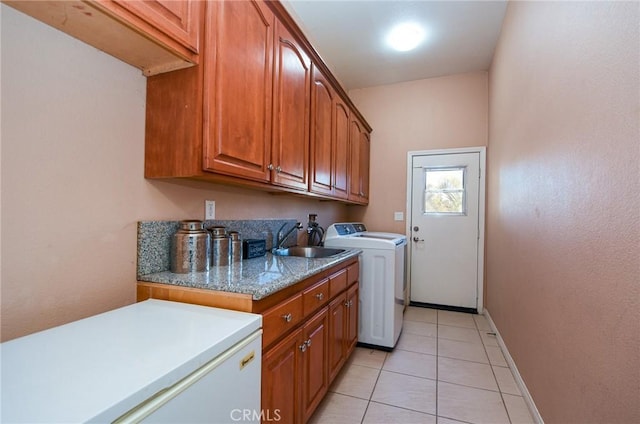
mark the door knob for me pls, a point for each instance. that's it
(416, 239)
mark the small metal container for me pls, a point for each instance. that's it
(190, 248)
(218, 231)
(220, 248)
(236, 246)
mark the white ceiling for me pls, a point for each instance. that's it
(349, 36)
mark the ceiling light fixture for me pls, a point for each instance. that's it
(405, 37)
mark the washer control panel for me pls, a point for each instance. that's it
(348, 229)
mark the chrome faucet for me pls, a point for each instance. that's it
(281, 240)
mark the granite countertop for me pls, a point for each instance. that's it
(259, 277)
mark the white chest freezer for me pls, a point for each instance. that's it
(154, 361)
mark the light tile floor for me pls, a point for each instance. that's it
(447, 368)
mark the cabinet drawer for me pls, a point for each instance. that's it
(281, 318)
(315, 296)
(353, 273)
(338, 282)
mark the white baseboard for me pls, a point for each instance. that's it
(516, 374)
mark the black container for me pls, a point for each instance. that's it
(253, 248)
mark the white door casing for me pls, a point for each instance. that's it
(446, 249)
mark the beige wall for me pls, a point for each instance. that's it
(435, 113)
(563, 241)
(72, 184)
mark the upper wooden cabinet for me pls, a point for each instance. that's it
(238, 81)
(260, 110)
(256, 97)
(156, 36)
(341, 149)
(329, 140)
(359, 160)
(180, 20)
(291, 102)
(322, 127)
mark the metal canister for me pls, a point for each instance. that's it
(236, 246)
(190, 248)
(219, 246)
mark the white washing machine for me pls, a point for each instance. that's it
(382, 280)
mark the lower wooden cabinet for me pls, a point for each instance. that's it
(280, 380)
(352, 319)
(309, 331)
(343, 329)
(315, 378)
(338, 326)
(294, 372)
(297, 371)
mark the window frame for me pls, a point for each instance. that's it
(462, 190)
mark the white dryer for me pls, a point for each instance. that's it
(382, 280)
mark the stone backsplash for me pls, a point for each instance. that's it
(154, 238)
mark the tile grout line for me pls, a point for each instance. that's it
(374, 388)
(437, 375)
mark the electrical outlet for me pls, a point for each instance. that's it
(398, 216)
(209, 209)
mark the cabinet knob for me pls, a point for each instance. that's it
(320, 296)
(308, 343)
(303, 346)
(278, 169)
(346, 304)
(270, 167)
(288, 317)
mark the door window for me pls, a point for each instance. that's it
(445, 192)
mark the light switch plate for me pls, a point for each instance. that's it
(398, 216)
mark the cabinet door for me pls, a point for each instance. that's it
(337, 328)
(177, 19)
(365, 151)
(341, 150)
(281, 379)
(238, 76)
(352, 319)
(322, 101)
(315, 377)
(290, 148)
(359, 161)
(355, 129)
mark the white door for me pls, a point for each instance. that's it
(445, 228)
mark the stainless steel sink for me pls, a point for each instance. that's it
(308, 252)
